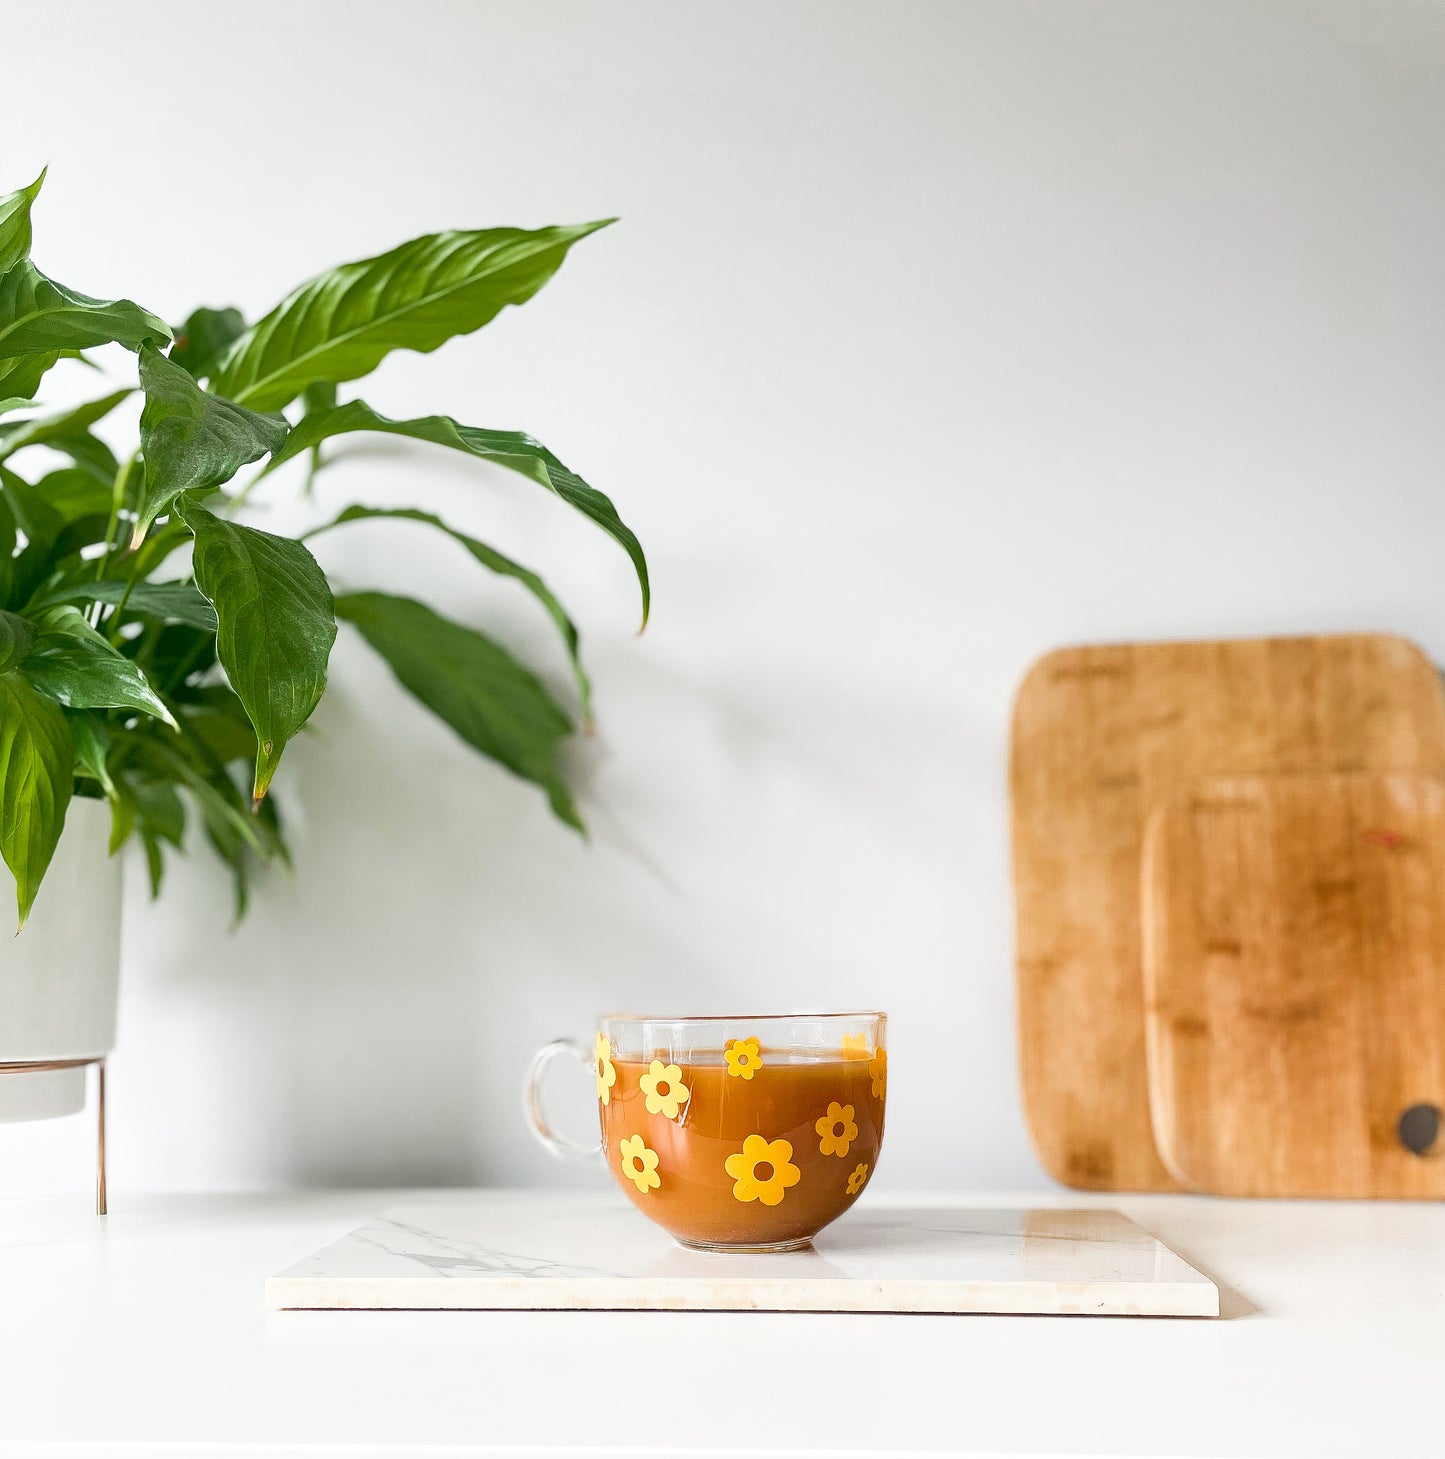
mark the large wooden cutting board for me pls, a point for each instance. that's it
(1100, 734)
(1294, 984)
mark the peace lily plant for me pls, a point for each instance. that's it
(157, 651)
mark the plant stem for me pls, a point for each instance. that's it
(112, 625)
(179, 675)
(117, 499)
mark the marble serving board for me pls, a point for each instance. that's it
(507, 1251)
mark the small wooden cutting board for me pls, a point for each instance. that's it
(1294, 984)
(1100, 734)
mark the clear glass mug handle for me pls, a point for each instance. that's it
(558, 1145)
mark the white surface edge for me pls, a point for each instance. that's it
(633, 1294)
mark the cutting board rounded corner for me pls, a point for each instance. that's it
(1408, 648)
(1169, 1157)
(1054, 1157)
(1067, 661)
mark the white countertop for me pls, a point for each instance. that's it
(151, 1336)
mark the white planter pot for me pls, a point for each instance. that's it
(60, 978)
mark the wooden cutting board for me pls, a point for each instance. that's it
(1100, 734)
(1294, 984)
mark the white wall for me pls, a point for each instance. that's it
(934, 335)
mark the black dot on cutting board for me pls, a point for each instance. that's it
(1419, 1128)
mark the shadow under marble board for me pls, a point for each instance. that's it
(499, 1250)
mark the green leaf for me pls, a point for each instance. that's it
(17, 638)
(122, 818)
(90, 454)
(490, 558)
(168, 538)
(21, 377)
(341, 324)
(172, 602)
(229, 846)
(15, 223)
(512, 449)
(191, 440)
(15, 402)
(154, 809)
(39, 316)
(319, 396)
(162, 812)
(92, 749)
(175, 657)
(48, 429)
(237, 851)
(241, 839)
(73, 492)
(204, 338)
(74, 665)
(495, 704)
(277, 625)
(36, 771)
(224, 736)
(155, 862)
(214, 802)
(57, 523)
(8, 539)
(215, 724)
(40, 522)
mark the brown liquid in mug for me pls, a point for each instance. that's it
(710, 1170)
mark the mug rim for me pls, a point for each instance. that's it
(734, 1017)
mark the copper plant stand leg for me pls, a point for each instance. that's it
(45, 1066)
(100, 1207)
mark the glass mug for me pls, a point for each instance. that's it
(733, 1134)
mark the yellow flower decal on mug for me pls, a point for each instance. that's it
(606, 1071)
(855, 1045)
(639, 1164)
(744, 1058)
(836, 1129)
(663, 1086)
(763, 1170)
(858, 1179)
(878, 1068)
